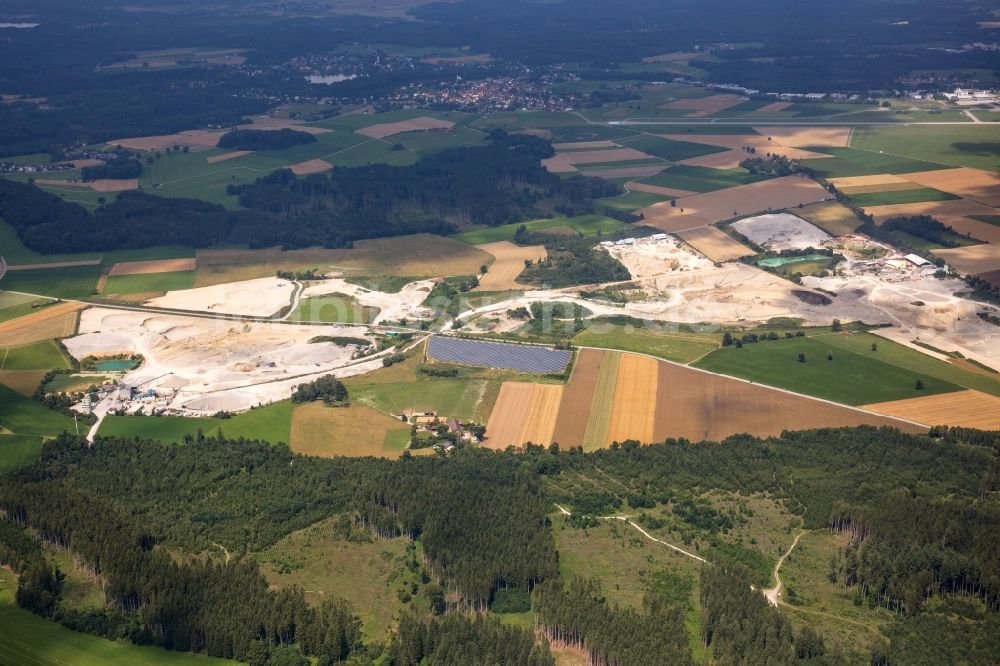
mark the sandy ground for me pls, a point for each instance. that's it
(509, 264)
(153, 266)
(227, 156)
(808, 137)
(214, 364)
(407, 304)
(636, 186)
(599, 156)
(945, 321)
(781, 231)
(628, 172)
(715, 244)
(262, 297)
(384, 130)
(975, 184)
(650, 257)
(310, 166)
(701, 209)
(969, 409)
(705, 106)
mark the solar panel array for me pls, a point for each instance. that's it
(524, 358)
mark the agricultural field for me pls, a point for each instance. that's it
(634, 199)
(855, 162)
(510, 262)
(892, 197)
(421, 255)
(672, 345)
(64, 282)
(17, 451)
(969, 409)
(44, 323)
(271, 423)
(333, 309)
(830, 216)
(702, 179)
(38, 356)
(147, 283)
(585, 225)
(853, 376)
(715, 244)
(956, 145)
(357, 430)
(20, 415)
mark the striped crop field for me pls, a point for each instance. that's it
(617, 396)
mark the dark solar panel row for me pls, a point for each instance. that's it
(523, 358)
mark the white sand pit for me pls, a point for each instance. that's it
(649, 257)
(781, 231)
(188, 359)
(406, 304)
(262, 297)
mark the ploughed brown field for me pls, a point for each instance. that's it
(649, 400)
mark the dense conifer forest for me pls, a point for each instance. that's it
(247, 139)
(920, 512)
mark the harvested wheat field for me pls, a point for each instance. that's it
(602, 402)
(509, 264)
(584, 145)
(955, 213)
(968, 409)
(636, 186)
(558, 164)
(601, 156)
(866, 181)
(973, 259)
(420, 124)
(975, 184)
(808, 137)
(727, 160)
(53, 321)
(310, 166)
(698, 405)
(634, 409)
(524, 413)
(417, 255)
(540, 425)
(358, 430)
(152, 266)
(190, 138)
(628, 172)
(215, 159)
(705, 106)
(773, 107)
(832, 217)
(736, 144)
(571, 425)
(715, 244)
(775, 194)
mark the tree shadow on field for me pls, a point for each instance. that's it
(980, 148)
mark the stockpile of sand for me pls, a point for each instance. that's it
(262, 297)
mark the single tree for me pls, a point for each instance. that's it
(802, 357)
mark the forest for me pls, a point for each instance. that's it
(495, 184)
(922, 532)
